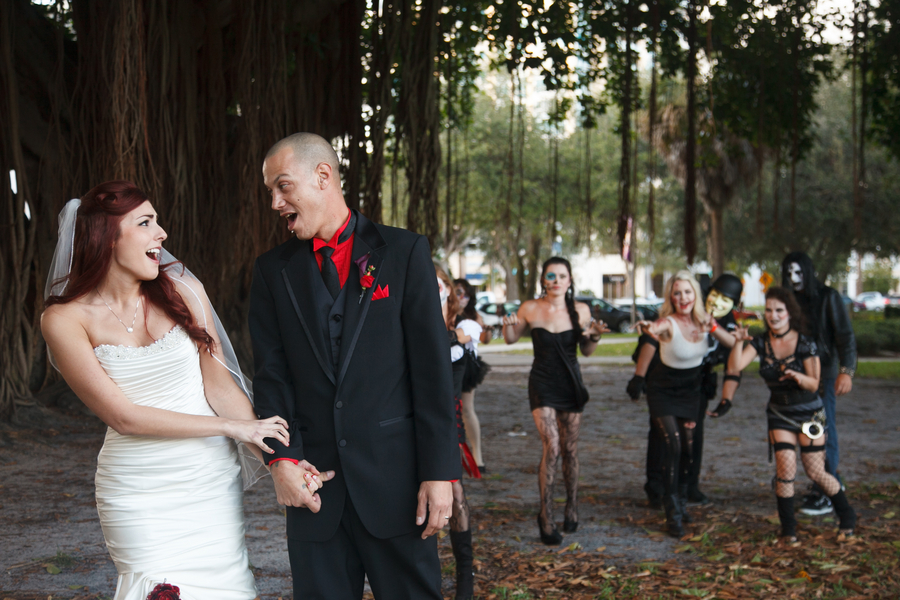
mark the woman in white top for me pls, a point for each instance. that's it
(472, 325)
(673, 393)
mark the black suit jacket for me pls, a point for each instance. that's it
(385, 420)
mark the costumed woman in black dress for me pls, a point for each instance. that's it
(674, 392)
(555, 390)
(789, 364)
(460, 530)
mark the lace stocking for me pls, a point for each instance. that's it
(678, 443)
(548, 426)
(814, 465)
(459, 518)
(569, 426)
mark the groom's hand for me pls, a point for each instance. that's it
(296, 484)
(435, 500)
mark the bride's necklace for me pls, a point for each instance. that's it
(127, 328)
(779, 335)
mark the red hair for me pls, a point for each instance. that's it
(96, 230)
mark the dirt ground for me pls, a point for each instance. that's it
(51, 544)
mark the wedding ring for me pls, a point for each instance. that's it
(448, 518)
(303, 485)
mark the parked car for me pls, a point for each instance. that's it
(492, 314)
(647, 309)
(615, 318)
(871, 300)
(851, 304)
(484, 298)
(892, 307)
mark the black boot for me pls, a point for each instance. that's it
(461, 541)
(673, 516)
(787, 518)
(554, 538)
(844, 512)
(683, 498)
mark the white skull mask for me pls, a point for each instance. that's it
(796, 275)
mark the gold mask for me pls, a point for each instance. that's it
(718, 305)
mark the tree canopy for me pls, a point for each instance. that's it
(522, 126)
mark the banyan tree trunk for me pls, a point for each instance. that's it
(420, 118)
(17, 315)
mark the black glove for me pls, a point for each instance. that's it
(635, 387)
(723, 407)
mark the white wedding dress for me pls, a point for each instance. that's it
(171, 509)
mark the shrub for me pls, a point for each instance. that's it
(874, 336)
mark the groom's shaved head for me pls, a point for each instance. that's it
(309, 150)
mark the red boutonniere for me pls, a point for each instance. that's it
(165, 591)
(365, 275)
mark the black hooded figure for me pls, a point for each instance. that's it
(829, 325)
(721, 298)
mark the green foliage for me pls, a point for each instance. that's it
(879, 277)
(874, 336)
(884, 76)
(824, 205)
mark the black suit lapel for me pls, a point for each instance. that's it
(367, 242)
(298, 278)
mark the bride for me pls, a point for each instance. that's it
(130, 335)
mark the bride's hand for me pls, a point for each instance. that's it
(253, 432)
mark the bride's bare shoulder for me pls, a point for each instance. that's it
(65, 317)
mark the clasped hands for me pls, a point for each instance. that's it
(298, 484)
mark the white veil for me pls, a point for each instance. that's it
(252, 470)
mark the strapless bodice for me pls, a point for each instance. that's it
(166, 374)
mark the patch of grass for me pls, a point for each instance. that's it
(879, 370)
(626, 349)
(63, 560)
(525, 339)
(520, 593)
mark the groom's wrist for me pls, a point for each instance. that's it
(275, 460)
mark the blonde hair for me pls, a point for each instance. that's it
(698, 315)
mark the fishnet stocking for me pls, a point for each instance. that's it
(553, 427)
(678, 440)
(459, 517)
(814, 465)
(785, 473)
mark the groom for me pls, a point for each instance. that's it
(351, 349)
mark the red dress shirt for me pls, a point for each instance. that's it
(342, 252)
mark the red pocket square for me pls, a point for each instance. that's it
(380, 292)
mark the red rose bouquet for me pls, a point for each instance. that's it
(165, 591)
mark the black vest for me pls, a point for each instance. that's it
(331, 317)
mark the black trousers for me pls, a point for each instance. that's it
(403, 567)
(656, 449)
